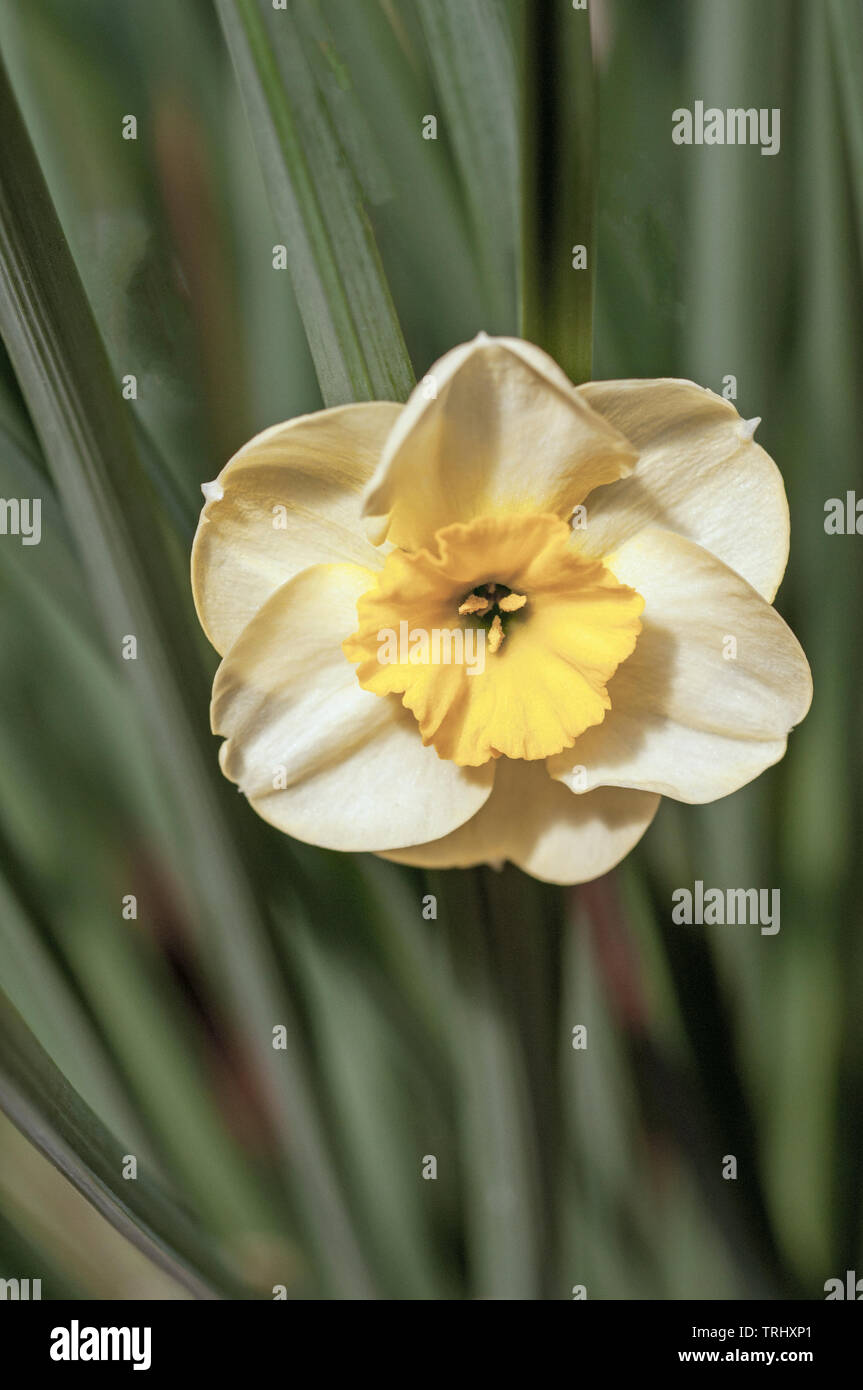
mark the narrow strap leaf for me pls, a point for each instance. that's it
(346, 306)
(40, 1102)
(559, 143)
(61, 365)
(471, 53)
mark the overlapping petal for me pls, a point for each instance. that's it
(542, 827)
(495, 427)
(318, 756)
(699, 472)
(716, 682)
(290, 498)
(491, 455)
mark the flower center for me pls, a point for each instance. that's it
(492, 601)
(556, 623)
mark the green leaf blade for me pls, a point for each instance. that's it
(68, 1133)
(472, 58)
(346, 306)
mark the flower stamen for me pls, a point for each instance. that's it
(552, 631)
(495, 600)
(512, 603)
(474, 603)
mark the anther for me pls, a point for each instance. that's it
(474, 603)
(512, 603)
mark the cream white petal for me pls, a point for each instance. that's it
(494, 426)
(318, 756)
(290, 498)
(635, 748)
(540, 825)
(699, 472)
(716, 682)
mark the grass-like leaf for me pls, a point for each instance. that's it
(846, 26)
(559, 155)
(60, 362)
(345, 302)
(471, 53)
(71, 1135)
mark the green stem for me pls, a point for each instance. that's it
(499, 1159)
(503, 951)
(524, 928)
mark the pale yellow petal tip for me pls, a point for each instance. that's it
(748, 427)
(213, 492)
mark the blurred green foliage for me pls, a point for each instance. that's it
(406, 1037)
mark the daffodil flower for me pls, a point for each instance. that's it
(617, 545)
